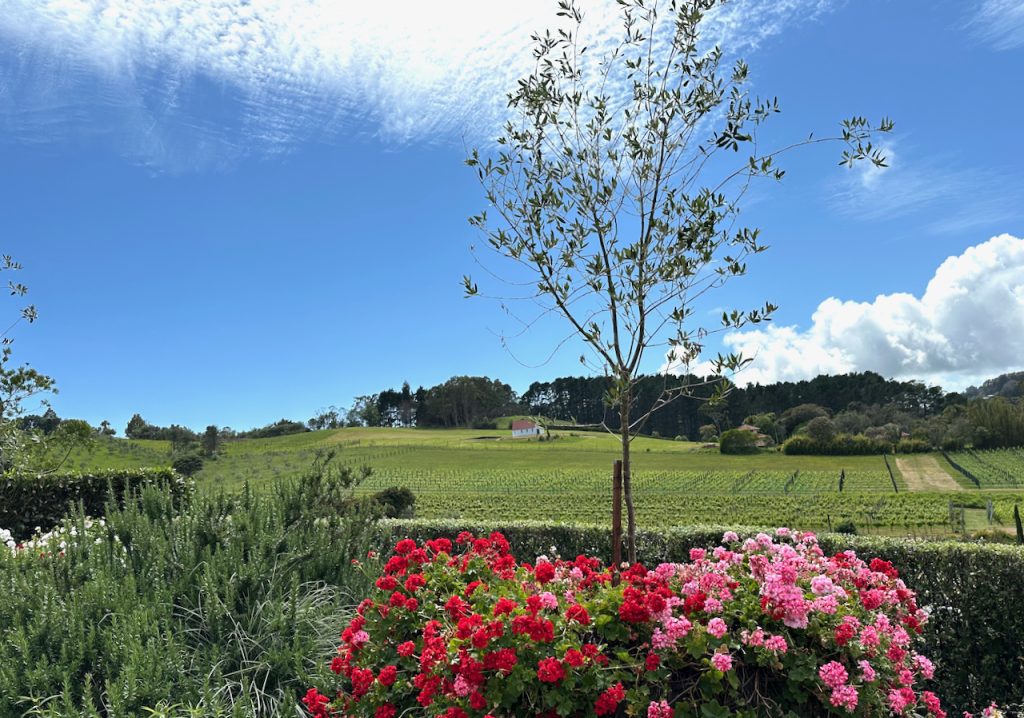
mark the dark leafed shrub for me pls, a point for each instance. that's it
(189, 465)
(27, 502)
(738, 441)
(397, 502)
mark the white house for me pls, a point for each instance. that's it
(523, 427)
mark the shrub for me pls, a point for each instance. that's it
(31, 502)
(821, 429)
(965, 585)
(215, 608)
(763, 627)
(737, 441)
(912, 446)
(396, 502)
(846, 527)
(188, 465)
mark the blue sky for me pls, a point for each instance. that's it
(230, 212)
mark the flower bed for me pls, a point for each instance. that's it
(765, 626)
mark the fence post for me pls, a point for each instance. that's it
(616, 521)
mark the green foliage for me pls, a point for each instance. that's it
(912, 446)
(797, 416)
(397, 502)
(216, 609)
(738, 441)
(18, 445)
(846, 527)
(210, 441)
(188, 465)
(28, 502)
(179, 436)
(839, 445)
(821, 429)
(281, 427)
(998, 423)
(971, 636)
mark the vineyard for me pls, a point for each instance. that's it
(474, 475)
(995, 468)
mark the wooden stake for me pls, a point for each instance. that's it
(616, 521)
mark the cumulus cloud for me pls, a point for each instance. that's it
(968, 325)
(258, 76)
(1000, 23)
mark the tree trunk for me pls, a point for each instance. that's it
(625, 401)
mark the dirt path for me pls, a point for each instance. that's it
(923, 473)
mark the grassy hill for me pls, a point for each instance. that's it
(479, 474)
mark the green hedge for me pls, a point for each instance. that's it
(973, 592)
(28, 502)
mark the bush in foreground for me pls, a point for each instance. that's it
(766, 626)
(213, 609)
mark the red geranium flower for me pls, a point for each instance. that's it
(550, 670)
(608, 701)
(544, 572)
(387, 676)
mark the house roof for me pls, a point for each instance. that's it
(748, 427)
(523, 424)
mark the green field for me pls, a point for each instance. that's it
(477, 474)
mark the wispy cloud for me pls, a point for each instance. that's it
(999, 23)
(950, 196)
(966, 326)
(220, 79)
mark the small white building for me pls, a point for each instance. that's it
(524, 428)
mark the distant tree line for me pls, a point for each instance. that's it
(862, 412)
(848, 413)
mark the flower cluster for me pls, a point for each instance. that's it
(57, 541)
(764, 626)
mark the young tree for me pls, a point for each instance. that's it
(18, 384)
(617, 188)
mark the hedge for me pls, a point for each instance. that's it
(974, 592)
(28, 502)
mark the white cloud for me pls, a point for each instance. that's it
(968, 325)
(954, 198)
(999, 22)
(277, 72)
